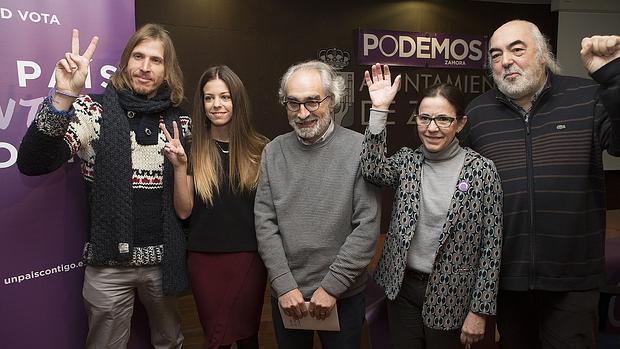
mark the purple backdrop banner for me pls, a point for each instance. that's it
(433, 50)
(43, 219)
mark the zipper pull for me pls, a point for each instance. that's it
(527, 123)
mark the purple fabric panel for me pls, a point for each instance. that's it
(43, 219)
(432, 50)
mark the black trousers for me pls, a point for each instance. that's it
(547, 320)
(407, 330)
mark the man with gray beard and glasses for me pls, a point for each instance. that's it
(546, 133)
(317, 220)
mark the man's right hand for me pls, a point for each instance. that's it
(71, 71)
(292, 303)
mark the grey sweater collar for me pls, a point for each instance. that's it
(445, 154)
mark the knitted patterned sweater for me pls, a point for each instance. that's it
(52, 139)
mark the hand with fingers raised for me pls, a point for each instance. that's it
(173, 149)
(380, 87)
(71, 71)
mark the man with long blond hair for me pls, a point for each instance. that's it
(135, 241)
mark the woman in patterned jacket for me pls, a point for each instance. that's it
(441, 257)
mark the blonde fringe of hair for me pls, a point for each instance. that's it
(173, 76)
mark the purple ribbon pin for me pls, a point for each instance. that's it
(463, 186)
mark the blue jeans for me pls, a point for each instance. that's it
(351, 313)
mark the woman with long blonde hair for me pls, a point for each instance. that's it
(216, 185)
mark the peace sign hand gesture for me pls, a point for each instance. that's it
(71, 71)
(380, 87)
(174, 149)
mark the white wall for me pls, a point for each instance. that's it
(579, 19)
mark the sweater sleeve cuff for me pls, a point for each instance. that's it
(284, 283)
(332, 285)
(52, 122)
(607, 73)
(377, 120)
(478, 310)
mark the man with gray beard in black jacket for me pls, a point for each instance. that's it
(546, 134)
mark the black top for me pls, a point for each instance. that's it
(228, 225)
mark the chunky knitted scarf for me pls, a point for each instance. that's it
(112, 223)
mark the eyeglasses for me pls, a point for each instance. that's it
(442, 121)
(309, 105)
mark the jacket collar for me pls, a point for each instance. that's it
(540, 96)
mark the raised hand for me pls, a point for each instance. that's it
(596, 51)
(71, 71)
(380, 86)
(174, 149)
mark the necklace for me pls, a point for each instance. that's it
(222, 149)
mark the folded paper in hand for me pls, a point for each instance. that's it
(307, 322)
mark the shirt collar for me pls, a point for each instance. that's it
(534, 96)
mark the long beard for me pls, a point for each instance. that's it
(523, 85)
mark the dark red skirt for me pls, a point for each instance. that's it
(229, 290)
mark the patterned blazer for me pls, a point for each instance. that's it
(466, 269)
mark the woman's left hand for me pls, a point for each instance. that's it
(473, 329)
(380, 87)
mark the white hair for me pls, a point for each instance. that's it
(543, 48)
(333, 84)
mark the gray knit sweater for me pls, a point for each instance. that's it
(317, 220)
(440, 172)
